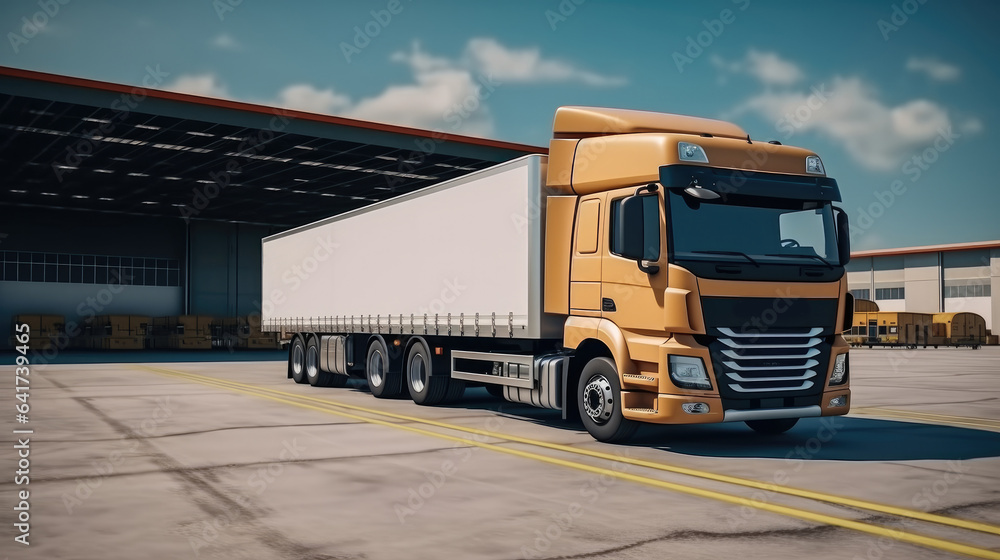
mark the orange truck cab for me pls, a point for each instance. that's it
(711, 266)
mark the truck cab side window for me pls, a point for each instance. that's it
(586, 226)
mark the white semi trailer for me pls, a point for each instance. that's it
(461, 260)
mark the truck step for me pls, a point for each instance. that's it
(639, 380)
(641, 410)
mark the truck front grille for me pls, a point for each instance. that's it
(758, 364)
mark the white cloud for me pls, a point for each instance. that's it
(847, 110)
(527, 65)
(207, 85)
(971, 126)
(452, 95)
(305, 97)
(875, 135)
(446, 94)
(934, 69)
(769, 68)
(227, 42)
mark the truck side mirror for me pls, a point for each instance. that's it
(629, 240)
(843, 237)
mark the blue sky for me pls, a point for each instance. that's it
(868, 85)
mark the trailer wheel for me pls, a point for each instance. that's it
(383, 382)
(772, 427)
(599, 398)
(425, 387)
(297, 359)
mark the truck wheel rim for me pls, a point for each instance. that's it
(298, 358)
(376, 369)
(418, 373)
(312, 362)
(598, 399)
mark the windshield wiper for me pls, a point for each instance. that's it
(800, 255)
(734, 253)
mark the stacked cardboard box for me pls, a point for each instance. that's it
(251, 337)
(188, 332)
(225, 332)
(117, 332)
(43, 330)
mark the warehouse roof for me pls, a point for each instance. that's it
(928, 249)
(96, 146)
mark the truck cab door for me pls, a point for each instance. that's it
(634, 299)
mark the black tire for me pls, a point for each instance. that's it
(297, 359)
(495, 390)
(383, 381)
(772, 427)
(425, 387)
(599, 400)
(456, 390)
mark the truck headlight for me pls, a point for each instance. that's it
(688, 372)
(840, 369)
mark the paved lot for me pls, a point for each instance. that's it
(136, 460)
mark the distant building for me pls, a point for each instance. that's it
(930, 279)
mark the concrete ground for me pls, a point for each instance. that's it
(135, 460)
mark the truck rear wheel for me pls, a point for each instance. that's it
(297, 359)
(599, 396)
(772, 427)
(383, 381)
(425, 387)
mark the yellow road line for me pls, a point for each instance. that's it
(807, 515)
(791, 491)
(930, 414)
(927, 417)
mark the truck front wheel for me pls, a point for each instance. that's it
(599, 396)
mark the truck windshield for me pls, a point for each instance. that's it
(752, 230)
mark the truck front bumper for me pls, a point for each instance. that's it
(669, 409)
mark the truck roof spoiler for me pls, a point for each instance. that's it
(585, 122)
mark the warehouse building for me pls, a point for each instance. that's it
(121, 200)
(954, 278)
(131, 200)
